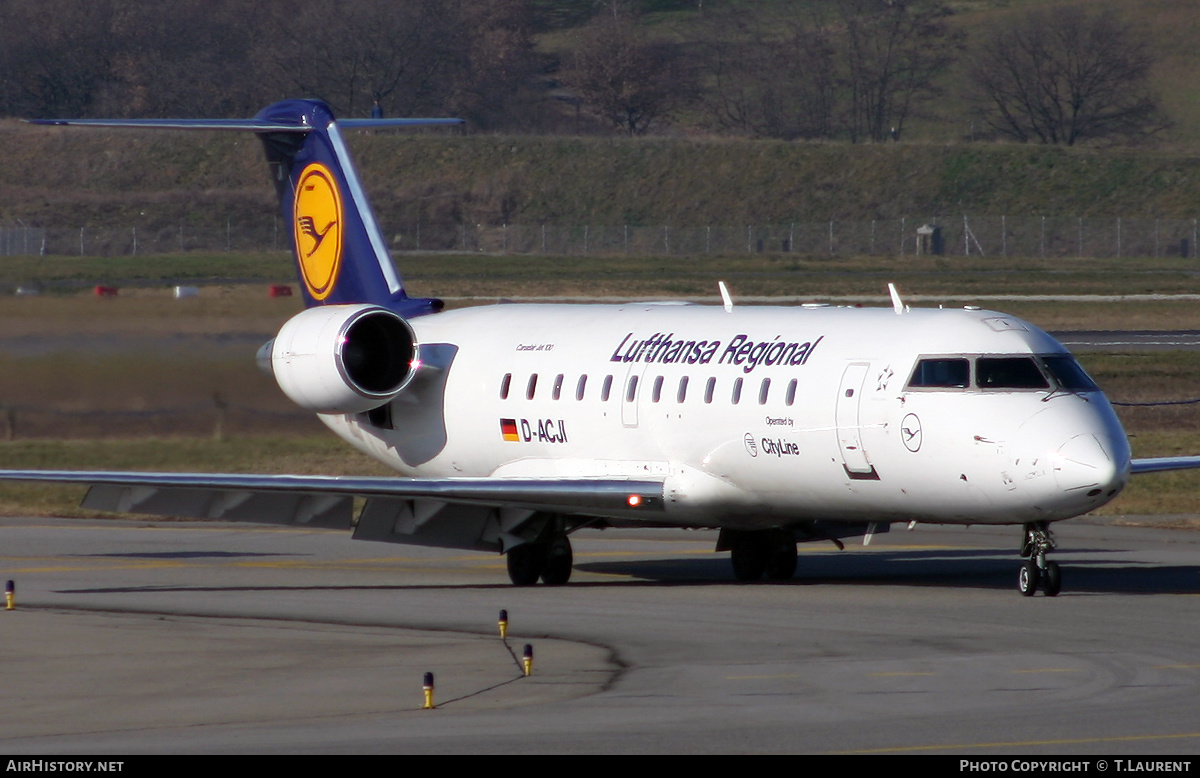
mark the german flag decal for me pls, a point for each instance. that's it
(508, 429)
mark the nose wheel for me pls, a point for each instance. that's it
(1037, 572)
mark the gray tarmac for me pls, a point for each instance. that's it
(181, 637)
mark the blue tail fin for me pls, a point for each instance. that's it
(340, 253)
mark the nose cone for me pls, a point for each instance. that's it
(1071, 457)
(1084, 463)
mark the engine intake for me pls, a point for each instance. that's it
(343, 358)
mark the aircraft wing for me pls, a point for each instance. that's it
(1164, 464)
(451, 512)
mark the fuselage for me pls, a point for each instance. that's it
(761, 416)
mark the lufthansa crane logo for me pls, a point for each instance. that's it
(910, 432)
(318, 229)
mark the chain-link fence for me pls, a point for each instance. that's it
(988, 236)
(965, 236)
(22, 240)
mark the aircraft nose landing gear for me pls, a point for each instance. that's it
(1036, 570)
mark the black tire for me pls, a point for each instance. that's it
(556, 570)
(526, 563)
(1052, 579)
(749, 556)
(1027, 578)
(781, 563)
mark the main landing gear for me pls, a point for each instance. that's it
(551, 561)
(1036, 570)
(757, 553)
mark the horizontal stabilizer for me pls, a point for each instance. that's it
(245, 125)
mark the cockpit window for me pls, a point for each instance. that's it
(1009, 373)
(1069, 375)
(945, 372)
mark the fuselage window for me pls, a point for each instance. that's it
(737, 391)
(709, 388)
(681, 395)
(531, 387)
(606, 388)
(631, 389)
(1069, 374)
(943, 372)
(581, 386)
(1009, 373)
(504, 384)
(656, 393)
(763, 391)
(558, 382)
(790, 397)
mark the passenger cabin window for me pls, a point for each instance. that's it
(942, 372)
(531, 387)
(581, 387)
(558, 382)
(606, 388)
(631, 389)
(790, 397)
(681, 395)
(763, 391)
(709, 388)
(656, 393)
(737, 391)
(505, 383)
(1009, 373)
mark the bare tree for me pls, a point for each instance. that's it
(123, 58)
(395, 52)
(629, 81)
(783, 86)
(495, 86)
(467, 57)
(55, 55)
(894, 50)
(1065, 76)
(185, 58)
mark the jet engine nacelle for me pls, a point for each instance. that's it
(342, 358)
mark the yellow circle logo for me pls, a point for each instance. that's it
(318, 229)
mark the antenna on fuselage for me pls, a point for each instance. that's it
(897, 304)
(726, 300)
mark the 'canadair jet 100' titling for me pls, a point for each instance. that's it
(511, 426)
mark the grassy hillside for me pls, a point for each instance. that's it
(158, 181)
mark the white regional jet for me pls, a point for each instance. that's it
(511, 426)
